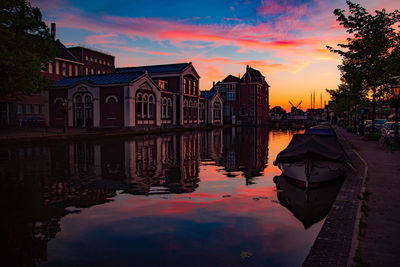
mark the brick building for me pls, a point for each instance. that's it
(246, 99)
(94, 62)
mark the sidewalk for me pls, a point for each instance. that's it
(381, 245)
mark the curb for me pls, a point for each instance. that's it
(337, 241)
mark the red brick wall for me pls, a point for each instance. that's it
(56, 114)
(112, 113)
(173, 83)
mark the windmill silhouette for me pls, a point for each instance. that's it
(294, 108)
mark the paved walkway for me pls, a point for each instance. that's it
(381, 245)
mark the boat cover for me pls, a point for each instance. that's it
(316, 147)
(320, 131)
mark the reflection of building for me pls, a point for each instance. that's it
(245, 150)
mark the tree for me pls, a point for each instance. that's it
(26, 47)
(372, 50)
(278, 110)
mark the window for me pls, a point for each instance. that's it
(201, 115)
(70, 70)
(190, 109)
(164, 108)
(28, 109)
(217, 110)
(184, 85)
(139, 105)
(20, 109)
(36, 109)
(64, 69)
(87, 58)
(111, 99)
(92, 71)
(151, 104)
(87, 71)
(76, 70)
(98, 72)
(145, 105)
(57, 67)
(190, 87)
(100, 61)
(95, 60)
(50, 67)
(185, 106)
(169, 110)
(195, 88)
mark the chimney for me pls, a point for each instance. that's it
(247, 67)
(53, 31)
(213, 83)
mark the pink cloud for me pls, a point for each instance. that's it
(101, 39)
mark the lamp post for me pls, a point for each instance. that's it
(396, 92)
(64, 109)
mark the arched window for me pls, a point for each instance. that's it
(139, 100)
(145, 105)
(78, 99)
(190, 109)
(185, 112)
(111, 99)
(195, 110)
(201, 111)
(88, 99)
(169, 108)
(217, 110)
(151, 105)
(164, 108)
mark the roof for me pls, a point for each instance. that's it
(90, 49)
(111, 78)
(230, 78)
(63, 52)
(253, 74)
(178, 67)
(208, 94)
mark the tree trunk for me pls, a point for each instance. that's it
(373, 108)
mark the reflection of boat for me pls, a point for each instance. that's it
(309, 205)
(312, 158)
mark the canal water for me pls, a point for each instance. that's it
(198, 198)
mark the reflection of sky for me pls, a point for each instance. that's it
(210, 226)
(284, 39)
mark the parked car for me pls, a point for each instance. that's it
(378, 124)
(388, 131)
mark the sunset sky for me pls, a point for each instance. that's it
(284, 39)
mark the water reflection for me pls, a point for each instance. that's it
(309, 205)
(221, 200)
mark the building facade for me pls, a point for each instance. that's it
(94, 62)
(144, 97)
(246, 99)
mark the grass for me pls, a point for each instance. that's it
(358, 261)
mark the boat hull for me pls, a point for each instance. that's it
(310, 171)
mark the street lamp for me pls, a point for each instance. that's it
(396, 92)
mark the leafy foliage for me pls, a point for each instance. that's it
(25, 48)
(371, 56)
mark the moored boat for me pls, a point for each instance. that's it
(313, 158)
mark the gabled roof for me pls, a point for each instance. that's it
(252, 75)
(208, 94)
(230, 79)
(111, 78)
(63, 52)
(152, 69)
